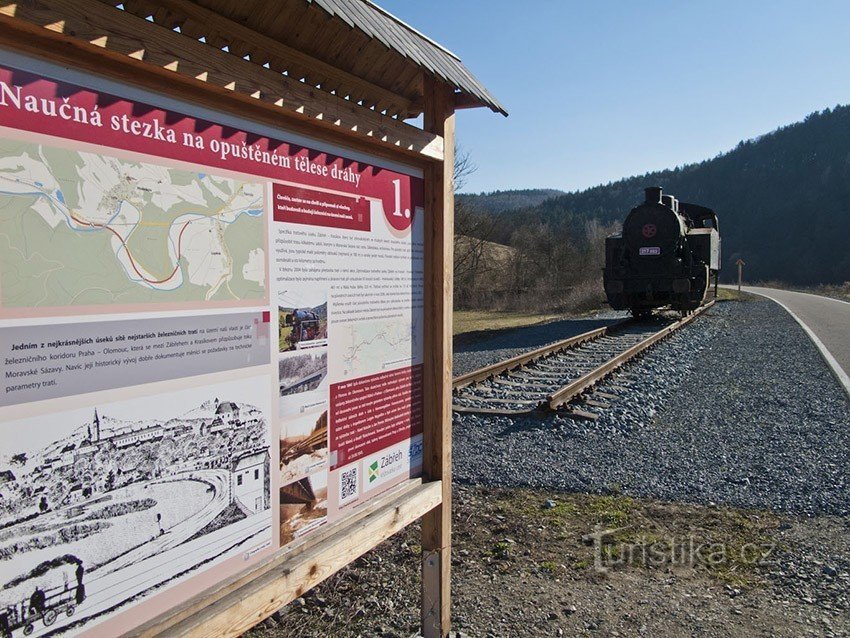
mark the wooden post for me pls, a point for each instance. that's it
(740, 263)
(439, 118)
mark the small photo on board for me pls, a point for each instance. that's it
(302, 371)
(303, 506)
(303, 445)
(303, 381)
(302, 319)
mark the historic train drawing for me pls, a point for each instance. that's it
(57, 589)
(107, 509)
(666, 255)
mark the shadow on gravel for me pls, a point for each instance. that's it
(536, 421)
(526, 336)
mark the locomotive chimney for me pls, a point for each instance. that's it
(653, 194)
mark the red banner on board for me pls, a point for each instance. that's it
(318, 208)
(34, 103)
(373, 412)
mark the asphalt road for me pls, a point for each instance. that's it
(828, 321)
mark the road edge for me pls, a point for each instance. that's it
(837, 371)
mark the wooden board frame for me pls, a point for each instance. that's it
(437, 441)
(40, 28)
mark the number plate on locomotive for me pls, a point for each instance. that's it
(649, 250)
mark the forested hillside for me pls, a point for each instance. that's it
(783, 200)
(498, 201)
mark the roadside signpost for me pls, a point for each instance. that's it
(225, 307)
(740, 263)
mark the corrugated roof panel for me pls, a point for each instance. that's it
(393, 33)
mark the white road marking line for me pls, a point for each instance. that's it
(837, 370)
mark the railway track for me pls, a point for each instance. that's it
(559, 376)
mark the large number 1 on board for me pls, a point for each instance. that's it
(397, 212)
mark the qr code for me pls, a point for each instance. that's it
(348, 484)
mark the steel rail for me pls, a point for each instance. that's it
(575, 388)
(502, 372)
(507, 365)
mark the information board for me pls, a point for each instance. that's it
(212, 346)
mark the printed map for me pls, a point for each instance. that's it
(372, 347)
(78, 228)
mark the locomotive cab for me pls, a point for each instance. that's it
(665, 255)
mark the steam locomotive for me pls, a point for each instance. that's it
(306, 326)
(57, 588)
(666, 255)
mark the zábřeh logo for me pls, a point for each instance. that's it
(388, 465)
(392, 463)
(374, 471)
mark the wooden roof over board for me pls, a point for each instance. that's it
(403, 39)
(351, 48)
(345, 66)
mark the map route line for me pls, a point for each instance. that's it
(130, 255)
(380, 336)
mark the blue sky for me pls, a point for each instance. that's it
(602, 90)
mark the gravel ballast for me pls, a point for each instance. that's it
(479, 349)
(738, 408)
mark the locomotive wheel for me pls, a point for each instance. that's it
(28, 629)
(70, 610)
(49, 617)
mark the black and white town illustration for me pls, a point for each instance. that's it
(112, 503)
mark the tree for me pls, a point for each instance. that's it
(472, 233)
(463, 168)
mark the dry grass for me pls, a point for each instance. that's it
(475, 320)
(841, 291)
(498, 255)
(731, 294)
(517, 558)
